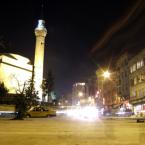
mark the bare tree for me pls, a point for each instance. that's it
(25, 99)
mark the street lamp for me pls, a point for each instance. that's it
(102, 77)
(106, 74)
(80, 94)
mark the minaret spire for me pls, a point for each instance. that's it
(40, 33)
(42, 10)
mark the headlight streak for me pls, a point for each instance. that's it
(86, 113)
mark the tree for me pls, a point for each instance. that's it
(27, 98)
(48, 86)
(3, 90)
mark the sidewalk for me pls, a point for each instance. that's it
(122, 118)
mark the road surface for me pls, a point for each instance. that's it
(62, 130)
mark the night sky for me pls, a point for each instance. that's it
(80, 34)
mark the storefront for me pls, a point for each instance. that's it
(138, 104)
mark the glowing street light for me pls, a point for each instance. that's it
(80, 94)
(106, 74)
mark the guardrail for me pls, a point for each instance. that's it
(7, 114)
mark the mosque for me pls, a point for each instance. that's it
(15, 70)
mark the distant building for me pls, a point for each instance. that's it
(92, 86)
(106, 88)
(99, 95)
(65, 100)
(122, 79)
(15, 70)
(79, 93)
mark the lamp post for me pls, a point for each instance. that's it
(102, 75)
(106, 75)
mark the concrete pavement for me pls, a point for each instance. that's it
(62, 130)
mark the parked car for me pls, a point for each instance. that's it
(140, 113)
(125, 113)
(41, 112)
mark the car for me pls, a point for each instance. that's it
(140, 114)
(126, 113)
(41, 112)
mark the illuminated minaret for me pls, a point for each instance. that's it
(40, 33)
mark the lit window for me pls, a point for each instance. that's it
(139, 78)
(135, 81)
(142, 63)
(133, 68)
(138, 65)
(140, 93)
(142, 77)
(133, 93)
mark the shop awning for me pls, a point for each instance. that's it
(137, 101)
(115, 106)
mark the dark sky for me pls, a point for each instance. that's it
(74, 31)
(127, 34)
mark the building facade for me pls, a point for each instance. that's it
(122, 79)
(137, 81)
(15, 70)
(79, 93)
(106, 88)
(92, 87)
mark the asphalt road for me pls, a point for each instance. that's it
(63, 130)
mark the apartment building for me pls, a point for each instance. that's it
(137, 80)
